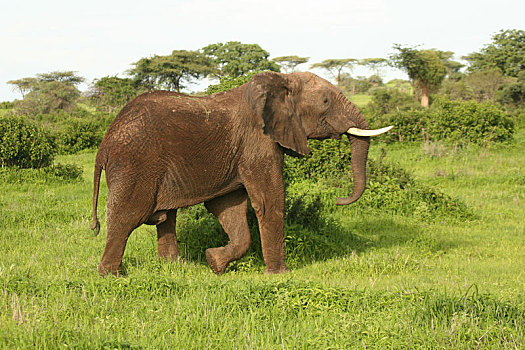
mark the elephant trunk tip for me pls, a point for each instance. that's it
(350, 199)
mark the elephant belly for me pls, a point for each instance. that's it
(183, 186)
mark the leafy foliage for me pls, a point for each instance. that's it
(227, 83)
(335, 67)
(386, 100)
(425, 68)
(77, 134)
(112, 93)
(451, 121)
(25, 145)
(169, 72)
(390, 187)
(236, 59)
(506, 53)
(513, 94)
(289, 63)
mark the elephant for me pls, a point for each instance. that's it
(168, 150)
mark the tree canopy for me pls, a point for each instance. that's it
(171, 72)
(48, 92)
(425, 68)
(290, 62)
(506, 53)
(374, 64)
(113, 92)
(236, 59)
(335, 67)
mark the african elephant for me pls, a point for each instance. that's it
(167, 150)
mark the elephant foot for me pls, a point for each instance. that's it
(283, 269)
(216, 261)
(111, 270)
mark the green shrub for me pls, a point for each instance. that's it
(453, 121)
(77, 134)
(7, 105)
(227, 83)
(387, 100)
(469, 122)
(390, 187)
(25, 145)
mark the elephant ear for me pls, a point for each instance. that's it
(270, 95)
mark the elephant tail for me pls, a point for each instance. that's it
(96, 184)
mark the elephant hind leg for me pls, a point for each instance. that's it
(230, 210)
(117, 237)
(166, 237)
(127, 210)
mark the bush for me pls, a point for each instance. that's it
(25, 145)
(227, 83)
(7, 105)
(387, 100)
(390, 187)
(453, 121)
(469, 121)
(77, 134)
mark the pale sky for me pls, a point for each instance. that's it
(100, 38)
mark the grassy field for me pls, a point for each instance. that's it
(401, 281)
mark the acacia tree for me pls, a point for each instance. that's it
(335, 67)
(506, 53)
(290, 62)
(170, 71)
(425, 68)
(374, 64)
(235, 59)
(48, 92)
(23, 85)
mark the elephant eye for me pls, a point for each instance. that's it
(325, 101)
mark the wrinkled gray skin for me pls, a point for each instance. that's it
(167, 150)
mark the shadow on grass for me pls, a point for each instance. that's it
(308, 239)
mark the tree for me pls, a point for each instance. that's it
(453, 67)
(513, 94)
(48, 97)
(335, 67)
(170, 71)
(236, 59)
(290, 62)
(425, 68)
(374, 64)
(48, 92)
(23, 85)
(484, 84)
(113, 92)
(506, 53)
(68, 77)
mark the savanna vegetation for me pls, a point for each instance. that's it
(431, 256)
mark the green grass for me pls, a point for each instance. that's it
(360, 100)
(362, 278)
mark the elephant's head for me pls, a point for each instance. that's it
(298, 106)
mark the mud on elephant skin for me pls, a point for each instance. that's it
(167, 150)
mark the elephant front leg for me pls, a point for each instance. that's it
(230, 210)
(167, 239)
(267, 198)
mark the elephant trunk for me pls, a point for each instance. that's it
(359, 147)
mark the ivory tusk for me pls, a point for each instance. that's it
(363, 132)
